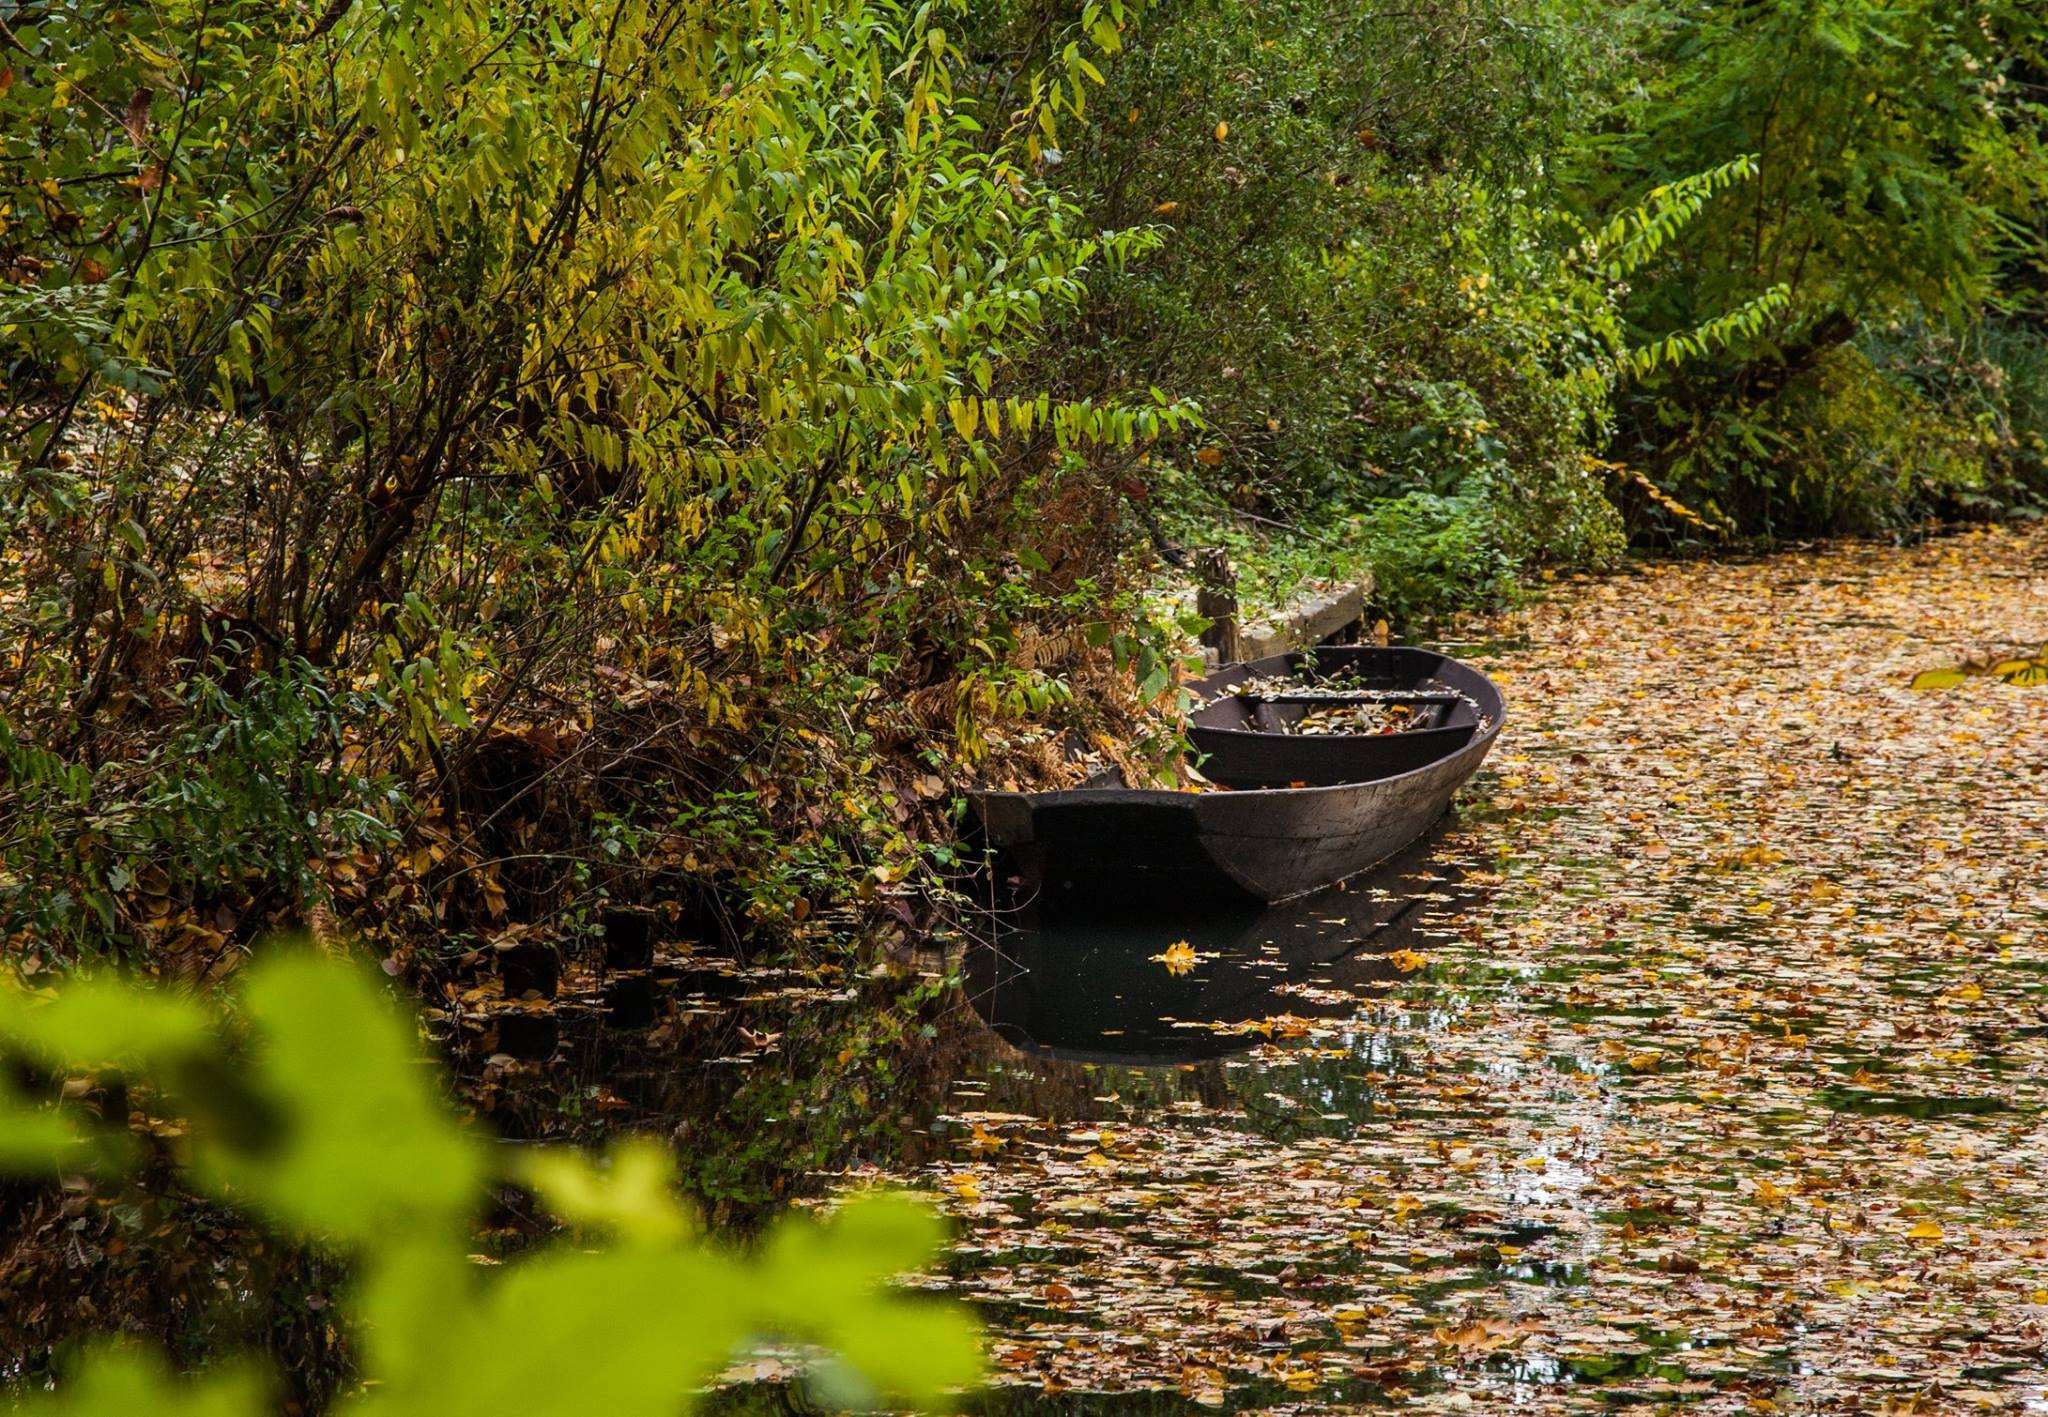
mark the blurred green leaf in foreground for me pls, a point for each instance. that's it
(308, 1105)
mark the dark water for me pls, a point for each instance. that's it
(1100, 992)
(778, 1081)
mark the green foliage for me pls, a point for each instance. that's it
(1415, 316)
(1850, 446)
(1992, 381)
(1898, 154)
(1283, 146)
(386, 381)
(311, 1110)
(473, 361)
(1899, 183)
(248, 791)
(2012, 374)
(1416, 304)
(1433, 554)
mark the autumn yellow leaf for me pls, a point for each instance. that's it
(1927, 1232)
(1167, 208)
(1481, 1336)
(1940, 678)
(1179, 958)
(1407, 961)
(1222, 131)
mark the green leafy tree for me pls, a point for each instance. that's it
(450, 359)
(1900, 182)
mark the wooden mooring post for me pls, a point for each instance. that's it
(1216, 602)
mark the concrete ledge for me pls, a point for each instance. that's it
(1310, 620)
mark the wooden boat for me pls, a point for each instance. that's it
(1295, 811)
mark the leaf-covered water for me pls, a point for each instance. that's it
(1700, 1061)
(1714, 1077)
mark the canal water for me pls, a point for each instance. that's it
(1699, 1061)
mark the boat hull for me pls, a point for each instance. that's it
(1076, 852)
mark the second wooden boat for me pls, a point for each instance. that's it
(1294, 810)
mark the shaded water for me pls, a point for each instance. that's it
(778, 1081)
(1098, 992)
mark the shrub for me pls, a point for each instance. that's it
(1296, 154)
(1899, 187)
(483, 361)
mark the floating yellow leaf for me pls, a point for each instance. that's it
(1481, 1335)
(1407, 961)
(1222, 131)
(1179, 958)
(1927, 1232)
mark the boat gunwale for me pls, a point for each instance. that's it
(1165, 796)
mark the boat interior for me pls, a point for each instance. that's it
(1242, 698)
(1336, 714)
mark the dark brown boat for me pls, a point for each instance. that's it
(1299, 811)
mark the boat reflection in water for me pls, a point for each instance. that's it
(1098, 992)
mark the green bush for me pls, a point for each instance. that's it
(1899, 188)
(1997, 380)
(1850, 446)
(1296, 153)
(486, 363)
(1433, 555)
(243, 798)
